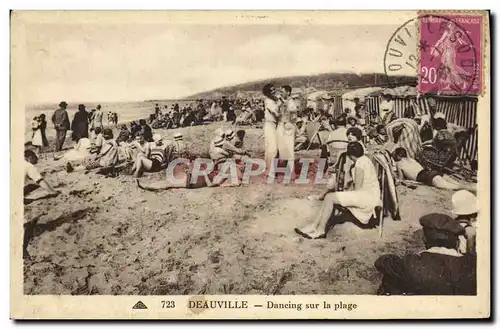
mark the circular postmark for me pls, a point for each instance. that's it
(437, 51)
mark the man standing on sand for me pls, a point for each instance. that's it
(286, 126)
(271, 118)
(61, 124)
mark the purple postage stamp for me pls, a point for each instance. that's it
(451, 54)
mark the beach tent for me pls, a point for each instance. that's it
(361, 93)
(316, 99)
(398, 92)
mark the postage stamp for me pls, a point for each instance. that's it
(250, 165)
(451, 54)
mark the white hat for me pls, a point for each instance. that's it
(157, 137)
(464, 203)
(219, 141)
(229, 134)
(177, 136)
(439, 115)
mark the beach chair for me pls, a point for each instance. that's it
(389, 198)
(312, 130)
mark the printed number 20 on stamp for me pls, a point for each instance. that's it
(451, 54)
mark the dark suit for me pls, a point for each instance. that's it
(61, 123)
(427, 273)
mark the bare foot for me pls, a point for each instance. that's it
(315, 197)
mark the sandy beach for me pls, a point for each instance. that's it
(106, 236)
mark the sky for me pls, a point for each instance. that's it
(125, 62)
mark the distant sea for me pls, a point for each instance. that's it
(127, 111)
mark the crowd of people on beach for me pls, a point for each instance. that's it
(365, 163)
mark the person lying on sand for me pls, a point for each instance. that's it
(107, 157)
(358, 204)
(31, 173)
(156, 160)
(410, 169)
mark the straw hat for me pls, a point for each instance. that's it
(157, 137)
(464, 203)
(229, 134)
(352, 117)
(439, 115)
(219, 141)
(177, 136)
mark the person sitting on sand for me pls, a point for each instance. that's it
(222, 147)
(354, 134)
(178, 148)
(353, 121)
(337, 140)
(465, 208)
(378, 136)
(138, 147)
(98, 140)
(359, 203)
(438, 270)
(82, 150)
(156, 160)
(32, 173)
(105, 159)
(301, 137)
(409, 168)
(123, 135)
(135, 129)
(146, 130)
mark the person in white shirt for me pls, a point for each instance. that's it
(337, 140)
(272, 116)
(31, 173)
(359, 202)
(465, 207)
(286, 127)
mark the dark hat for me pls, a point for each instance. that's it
(81, 106)
(63, 104)
(107, 133)
(441, 223)
(98, 106)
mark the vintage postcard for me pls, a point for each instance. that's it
(250, 165)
